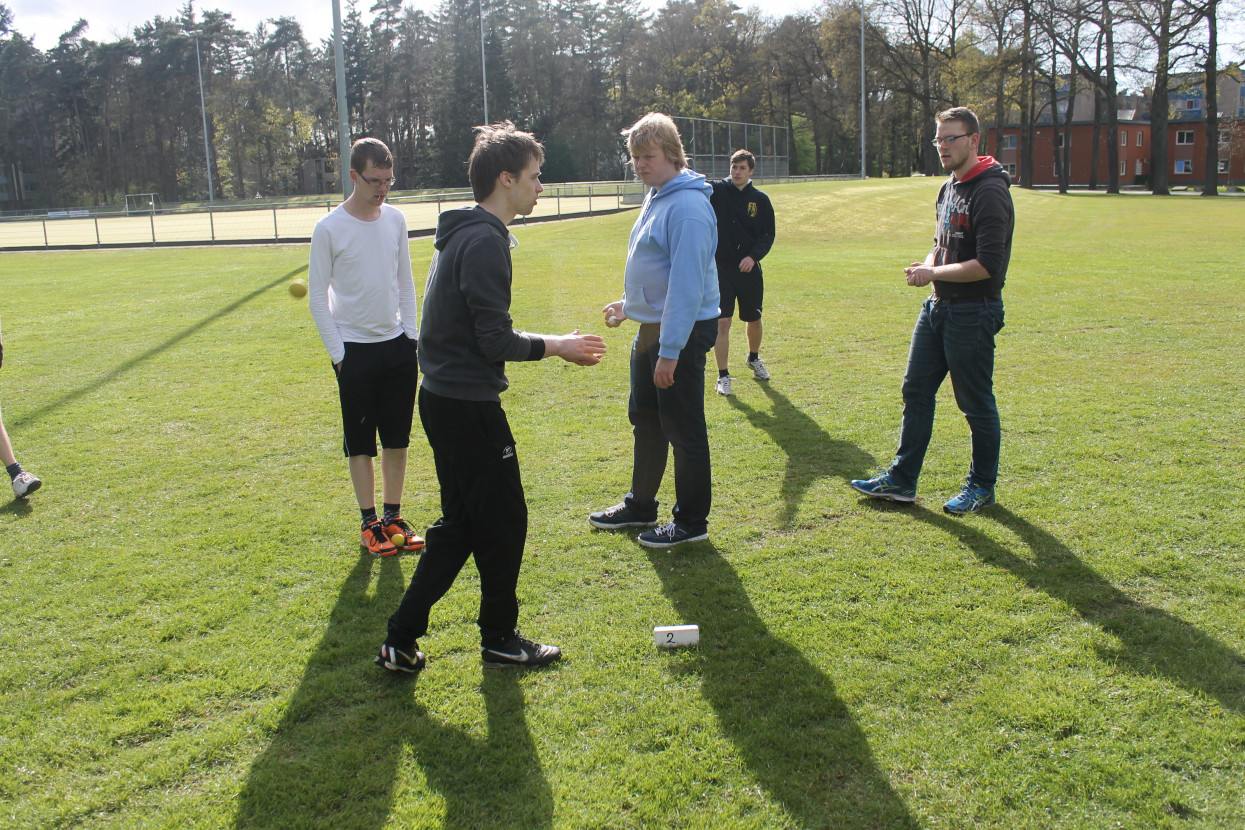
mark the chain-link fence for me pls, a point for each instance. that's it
(273, 221)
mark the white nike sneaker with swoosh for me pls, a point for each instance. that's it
(519, 652)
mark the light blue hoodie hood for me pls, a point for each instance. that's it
(671, 277)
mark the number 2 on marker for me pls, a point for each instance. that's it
(670, 637)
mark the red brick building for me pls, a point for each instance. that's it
(1186, 139)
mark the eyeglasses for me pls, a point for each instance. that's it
(378, 182)
(938, 142)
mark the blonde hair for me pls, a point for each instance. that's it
(657, 130)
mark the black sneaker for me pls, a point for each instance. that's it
(519, 652)
(399, 661)
(669, 535)
(622, 515)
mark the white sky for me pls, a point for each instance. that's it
(46, 20)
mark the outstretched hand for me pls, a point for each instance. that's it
(580, 349)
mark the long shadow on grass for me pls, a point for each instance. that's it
(796, 735)
(335, 758)
(122, 368)
(811, 452)
(1151, 640)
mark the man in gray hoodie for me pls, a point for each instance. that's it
(466, 339)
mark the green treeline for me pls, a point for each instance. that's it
(86, 122)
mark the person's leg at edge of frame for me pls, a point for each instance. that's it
(24, 483)
(926, 369)
(6, 447)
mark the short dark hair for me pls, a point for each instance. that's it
(744, 155)
(964, 115)
(369, 149)
(500, 147)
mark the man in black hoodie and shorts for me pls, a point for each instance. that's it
(745, 235)
(955, 330)
(467, 337)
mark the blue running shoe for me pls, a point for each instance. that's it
(972, 499)
(881, 487)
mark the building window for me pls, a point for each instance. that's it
(1123, 167)
(1191, 104)
(1184, 136)
(1123, 138)
(1184, 166)
(1008, 142)
(1061, 140)
(1137, 169)
(1011, 170)
(1139, 134)
(1225, 137)
(1223, 165)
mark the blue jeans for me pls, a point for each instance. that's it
(957, 338)
(662, 419)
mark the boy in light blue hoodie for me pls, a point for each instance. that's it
(671, 290)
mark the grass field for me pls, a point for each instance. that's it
(188, 625)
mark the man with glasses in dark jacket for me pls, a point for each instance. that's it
(955, 330)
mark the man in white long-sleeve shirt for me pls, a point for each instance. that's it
(362, 298)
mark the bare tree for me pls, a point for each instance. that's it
(1166, 27)
(1210, 12)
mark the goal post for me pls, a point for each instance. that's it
(141, 204)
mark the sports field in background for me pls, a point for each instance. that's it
(188, 624)
(275, 221)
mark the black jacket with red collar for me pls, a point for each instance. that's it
(975, 221)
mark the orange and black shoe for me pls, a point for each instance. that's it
(396, 525)
(376, 541)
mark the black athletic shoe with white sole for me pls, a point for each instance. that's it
(669, 535)
(519, 652)
(622, 515)
(399, 661)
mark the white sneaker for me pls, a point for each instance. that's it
(758, 369)
(25, 484)
(723, 386)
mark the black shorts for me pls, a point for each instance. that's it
(376, 383)
(748, 289)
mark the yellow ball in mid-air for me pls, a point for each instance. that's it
(298, 288)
